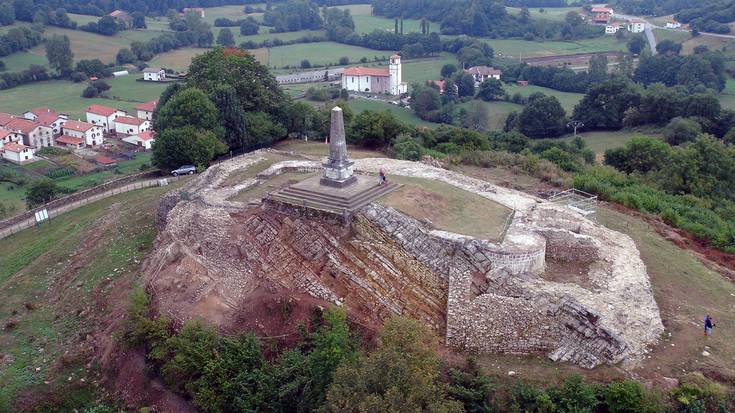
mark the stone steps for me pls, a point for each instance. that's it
(330, 202)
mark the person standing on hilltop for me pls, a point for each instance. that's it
(708, 324)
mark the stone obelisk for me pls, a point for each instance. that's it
(338, 169)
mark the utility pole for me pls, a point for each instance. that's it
(575, 124)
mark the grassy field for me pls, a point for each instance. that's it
(498, 111)
(65, 96)
(552, 13)
(322, 53)
(515, 49)
(673, 35)
(402, 114)
(727, 97)
(568, 100)
(421, 70)
(52, 275)
(448, 207)
(22, 60)
(726, 45)
(599, 142)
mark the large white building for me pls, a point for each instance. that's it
(103, 116)
(375, 80)
(92, 134)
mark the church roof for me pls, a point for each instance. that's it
(366, 71)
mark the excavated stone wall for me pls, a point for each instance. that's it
(215, 254)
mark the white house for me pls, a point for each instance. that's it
(143, 139)
(17, 152)
(145, 110)
(612, 28)
(92, 134)
(483, 73)
(197, 10)
(8, 136)
(47, 117)
(673, 25)
(375, 80)
(34, 134)
(154, 74)
(103, 116)
(125, 125)
(637, 26)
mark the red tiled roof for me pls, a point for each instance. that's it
(5, 118)
(105, 160)
(101, 110)
(4, 133)
(45, 116)
(146, 136)
(148, 106)
(24, 126)
(395, 55)
(127, 120)
(601, 10)
(366, 71)
(69, 140)
(14, 147)
(78, 126)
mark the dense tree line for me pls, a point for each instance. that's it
(706, 15)
(292, 16)
(19, 39)
(34, 73)
(694, 72)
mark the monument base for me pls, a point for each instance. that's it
(334, 183)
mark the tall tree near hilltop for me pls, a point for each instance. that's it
(231, 116)
(59, 54)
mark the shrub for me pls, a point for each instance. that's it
(305, 64)
(78, 77)
(629, 396)
(90, 92)
(344, 60)
(406, 147)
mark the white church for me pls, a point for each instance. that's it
(375, 80)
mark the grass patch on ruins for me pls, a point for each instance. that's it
(448, 207)
(53, 272)
(320, 148)
(279, 181)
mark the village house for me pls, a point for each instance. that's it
(47, 117)
(34, 134)
(92, 134)
(70, 142)
(126, 125)
(8, 136)
(17, 153)
(637, 26)
(145, 110)
(673, 25)
(376, 80)
(601, 14)
(154, 74)
(197, 10)
(144, 139)
(483, 73)
(612, 28)
(123, 17)
(103, 116)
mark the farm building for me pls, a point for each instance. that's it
(145, 110)
(34, 134)
(70, 142)
(126, 125)
(103, 116)
(7, 136)
(483, 73)
(673, 25)
(637, 26)
(47, 117)
(375, 80)
(197, 10)
(17, 153)
(143, 139)
(601, 14)
(105, 160)
(154, 74)
(612, 28)
(92, 134)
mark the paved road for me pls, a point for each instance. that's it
(648, 30)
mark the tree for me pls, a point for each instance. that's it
(542, 117)
(406, 147)
(472, 387)
(261, 129)
(185, 145)
(640, 154)
(249, 27)
(59, 54)
(225, 38)
(374, 129)
(401, 375)
(491, 89)
(7, 14)
(305, 64)
(636, 44)
(253, 83)
(448, 70)
(605, 104)
(41, 192)
(107, 26)
(125, 56)
(189, 107)
(681, 130)
(668, 47)
(598, 68)
(138, 20)
(465, 84)
(301, 118)
(231, 116)
(476, 117)
(573, 19)
(424, 100)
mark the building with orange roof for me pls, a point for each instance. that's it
(145, 110)
(17, 153)
(601, 14)
(375, 80)
(126, 125)
(34, 134)
(8, 136)
(47, 117)
(92, 134)
(70, 142)
(103, 116)
(144, 139)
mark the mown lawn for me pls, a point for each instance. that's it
(421, 70)
(23, 60)
(498, 111)
(599, 142)
(567, 100)
(516, 49)
(320, 54)
(360, 105)
(52, 275)
(550, 13)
